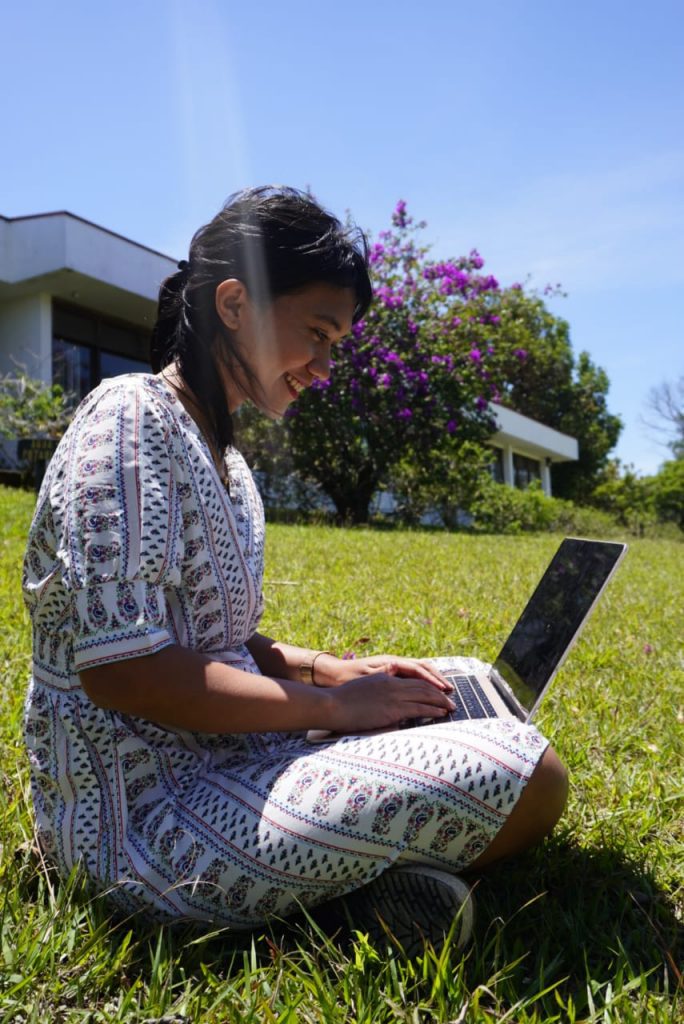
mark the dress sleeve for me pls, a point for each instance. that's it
(122, 540)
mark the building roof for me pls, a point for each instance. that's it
(77, 261)
(539, 440)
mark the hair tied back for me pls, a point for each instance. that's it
(183, 265)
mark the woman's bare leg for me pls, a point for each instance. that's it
(538, 809)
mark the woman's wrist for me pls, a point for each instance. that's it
(324, 669)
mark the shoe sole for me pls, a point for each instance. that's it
(412, 906)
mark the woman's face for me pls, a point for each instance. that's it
(287, 344)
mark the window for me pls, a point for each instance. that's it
(496, 467)
(72, 367)
(525, 470)
(86, 348)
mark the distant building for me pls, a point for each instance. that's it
(77, 304)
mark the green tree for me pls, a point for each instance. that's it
(668, 492)
(543, 380)
(626, 496)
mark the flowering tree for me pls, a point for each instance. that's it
(421, 368)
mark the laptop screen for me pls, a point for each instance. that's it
(554, 615)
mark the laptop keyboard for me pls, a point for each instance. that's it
(470, 699)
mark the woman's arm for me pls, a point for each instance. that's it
(286, 660)
(183, 689)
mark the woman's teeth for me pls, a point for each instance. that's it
(294, 383)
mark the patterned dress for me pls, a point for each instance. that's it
(137, 544)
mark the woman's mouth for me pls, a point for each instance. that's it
(293, 384)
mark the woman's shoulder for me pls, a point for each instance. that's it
(147, 389)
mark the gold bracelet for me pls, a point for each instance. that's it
(306, 669)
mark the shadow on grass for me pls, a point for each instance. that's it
(587, 911)
(560, 917)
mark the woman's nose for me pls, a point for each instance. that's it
(319, 366)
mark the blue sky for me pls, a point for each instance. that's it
(546, 135)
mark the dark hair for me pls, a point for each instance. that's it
(273, 239)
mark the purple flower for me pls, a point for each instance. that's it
(411, 327)
(456, 322)
(404, 414)
(384, 380)
(475, 355)
(389, 298)
(475, 260)
(481, 403)
(358, 328)
(399, 217)
(520, 353)
(451, 427)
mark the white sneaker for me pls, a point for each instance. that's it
(413, 904)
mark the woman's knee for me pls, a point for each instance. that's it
(534, 816)
(547, 790)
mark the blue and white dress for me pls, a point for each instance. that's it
(137, 544)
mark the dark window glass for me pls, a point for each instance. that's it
(525, 470)
(496, 465)
(72, 367)
(86, 348)
(112, 364)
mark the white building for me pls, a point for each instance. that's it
(77, 303)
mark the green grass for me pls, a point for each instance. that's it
(586, 928)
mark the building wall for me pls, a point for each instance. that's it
(26, 336)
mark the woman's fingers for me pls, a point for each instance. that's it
(418, 669)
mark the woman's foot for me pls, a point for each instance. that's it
(411, 905)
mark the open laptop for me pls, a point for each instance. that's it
(539, 642)
(541, 638)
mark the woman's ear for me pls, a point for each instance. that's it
(231, 300)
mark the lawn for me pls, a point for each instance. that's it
(589, 927)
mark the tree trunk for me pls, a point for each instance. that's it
(352, 501)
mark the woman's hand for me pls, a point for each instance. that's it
(380, 700)
(332, 671)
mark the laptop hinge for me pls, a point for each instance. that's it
(507, 695)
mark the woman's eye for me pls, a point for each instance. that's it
(321, 335)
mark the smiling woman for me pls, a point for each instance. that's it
(167, 736)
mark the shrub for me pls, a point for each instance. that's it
(503, 509)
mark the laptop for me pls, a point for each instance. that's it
(515, 684)
(541, 638)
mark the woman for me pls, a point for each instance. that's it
(167, 736)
